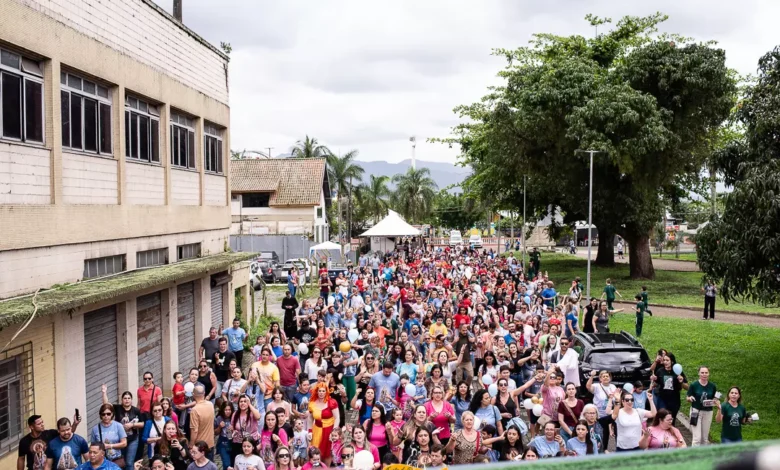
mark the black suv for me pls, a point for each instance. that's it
(618, 353)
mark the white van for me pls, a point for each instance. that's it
(475, 241)
(455, 238)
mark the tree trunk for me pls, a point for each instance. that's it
(605, 257)
(639, 259)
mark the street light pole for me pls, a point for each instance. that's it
(590, 211)
(522, 227)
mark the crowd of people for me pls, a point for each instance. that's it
(426, 357)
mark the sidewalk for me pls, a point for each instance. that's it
(697, 314)
(662, 264)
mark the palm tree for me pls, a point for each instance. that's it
(414, 195)
(376, 195)
(309, 147)
(342, 172)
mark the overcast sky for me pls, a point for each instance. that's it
(370, 74)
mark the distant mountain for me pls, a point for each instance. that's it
(444, 174)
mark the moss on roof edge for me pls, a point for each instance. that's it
(71, 296)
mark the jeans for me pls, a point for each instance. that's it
(291, 288)
(223, 449)
(729, 441)
(130, 452)
(324, 296)
(701, 431)
(289, 391)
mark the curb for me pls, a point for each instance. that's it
(731, 312)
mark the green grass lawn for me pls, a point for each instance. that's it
(676, 288)
(672, 256)
(741, 355)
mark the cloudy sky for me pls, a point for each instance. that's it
(367, 75)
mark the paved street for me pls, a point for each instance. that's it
(663, 264)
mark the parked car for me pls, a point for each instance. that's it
(285, 268)
(455, 238)
(475, 241)
(264, 270)
(618, 353)
(268, 256)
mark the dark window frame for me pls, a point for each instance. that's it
(29, 74)
(255, 200)
(96, 140)
(136, 112)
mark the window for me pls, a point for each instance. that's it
(212, 148)
(142, 130)
(16, 395)
(182, 141)
(86, 115)
(21, 98)
(97, 267)
(144, 259)
(255, 199)
(188, 251)
(319, 212)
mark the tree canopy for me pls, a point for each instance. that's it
(649, 103)
(741, 249)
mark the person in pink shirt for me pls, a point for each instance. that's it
(440, 413)
(553, 394)
(360, 443)
(662, 434)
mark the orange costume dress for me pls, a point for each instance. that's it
(324, 420)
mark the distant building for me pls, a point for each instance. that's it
(114, 215)
(280, 196)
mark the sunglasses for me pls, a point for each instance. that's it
(147, 378)
(284, 456)
(346, 456)
(629, 400)
(203, 366)
(106, 414)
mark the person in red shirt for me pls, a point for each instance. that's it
(148, 393)
(289, 369)
(462, 317)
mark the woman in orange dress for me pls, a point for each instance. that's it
(324, 412)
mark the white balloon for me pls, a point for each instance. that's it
(677, 369)
(628, 387)
(303, 349)
(410, 390)
(493, 390)
(528, 404)
(353, 335)
(537, 410)
(189, 387)
(364, 460)
(487, 380)
(477, 422)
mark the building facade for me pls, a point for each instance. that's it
(282, 196)
(114, 204)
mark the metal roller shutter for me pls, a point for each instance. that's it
(216, 306)
(149, 337)
(100, 364)
(186, 308)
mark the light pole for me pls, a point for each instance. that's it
(522, 227)
(590, 210)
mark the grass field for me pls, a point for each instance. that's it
(741, 355)
(671, 255)
(675, 288)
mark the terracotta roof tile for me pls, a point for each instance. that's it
(293, 181)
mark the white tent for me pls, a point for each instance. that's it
(391, 226)
(325, 246)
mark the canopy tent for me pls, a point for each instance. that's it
(325, 246)
(391, 226)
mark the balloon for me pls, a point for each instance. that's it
(628, 387)
(537, 410)
(677, 369)
(527, 404)
(303, 348)
(487, 380)
(353, 335)
(345, 346)
(410, 390)
(364, 460)
(367, 308)
(477, 422)
(189, 387)
(493, 390)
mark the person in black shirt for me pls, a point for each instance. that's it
(130, 418)
(32, 447)
(590, 310)
(290, 305)
(305, 335)
(221, 364)
(209, 346)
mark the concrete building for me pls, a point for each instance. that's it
(281, 196)
(114, 215)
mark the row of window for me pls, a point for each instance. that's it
(86, 111)
(97, 267)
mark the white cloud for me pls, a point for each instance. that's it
(369, 74)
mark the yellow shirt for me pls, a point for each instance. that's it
(269, 374)
(437, 330)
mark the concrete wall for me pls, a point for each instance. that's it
(216, 190)
(145, 184)
(25, 173)
(185, 187)
(89, 179)
(286, 246)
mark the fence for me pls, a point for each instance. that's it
(285, 246)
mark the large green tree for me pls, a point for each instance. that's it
(375, 196)
(741, 249)
(456, 211)
(310, 147)
(343, 173)
(648, 103)
(414, 194)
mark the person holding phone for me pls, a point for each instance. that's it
(173, 446)
(702, 397)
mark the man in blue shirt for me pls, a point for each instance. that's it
(66, 450)
(385, 383)
(550, 443)
(411, 322)
(236, 337)
(332, 318)
(97, 458)
(549, 294)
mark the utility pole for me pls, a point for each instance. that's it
(269, 151)
(590, 211)
(349, 215)
(413, 140)
(512, 228)
(522, 228)
(713, 193)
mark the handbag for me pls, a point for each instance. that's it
(120, 462)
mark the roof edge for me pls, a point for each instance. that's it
(186, 29)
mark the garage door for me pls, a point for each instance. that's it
(100, 365)
(186, 308)
(149, 337)
(216, 306)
